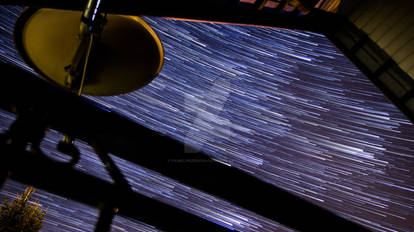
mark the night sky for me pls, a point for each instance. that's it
(283, 105)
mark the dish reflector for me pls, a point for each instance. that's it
(128, 55)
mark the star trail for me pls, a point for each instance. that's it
(283, 105)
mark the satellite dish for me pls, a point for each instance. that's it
(127, 56)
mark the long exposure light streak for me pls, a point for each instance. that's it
(284, 105)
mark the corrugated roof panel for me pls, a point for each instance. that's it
(384, 26)
(406, 45)
(408, 64)
(399, 35)
(411, 71)
(391, 25)
(368, 14)
(376, 17)
(358, 11)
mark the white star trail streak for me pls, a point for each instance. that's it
(284, 105)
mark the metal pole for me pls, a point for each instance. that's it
(105, 218)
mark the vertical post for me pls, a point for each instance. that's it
(121, 184)
(4, 172)
(3, 168)
(105, 218)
